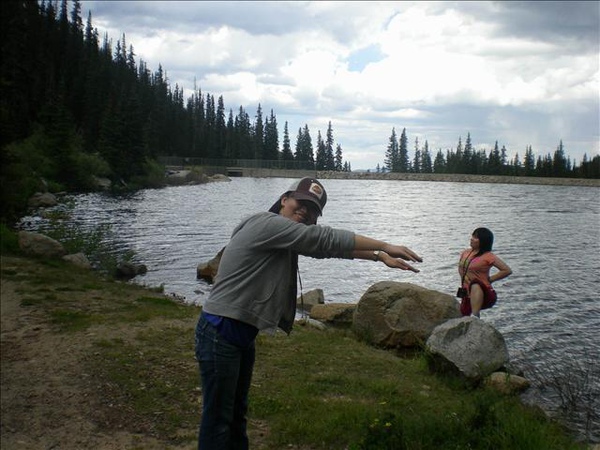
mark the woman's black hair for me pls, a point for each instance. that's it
(486, 240)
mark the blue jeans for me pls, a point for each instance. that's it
(225, 372)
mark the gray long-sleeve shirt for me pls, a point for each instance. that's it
(255, 281)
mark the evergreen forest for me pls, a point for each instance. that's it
(76, 107)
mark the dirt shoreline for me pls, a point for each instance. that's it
(48, 401)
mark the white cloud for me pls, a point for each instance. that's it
(510, 72)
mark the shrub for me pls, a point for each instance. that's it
(9, 241)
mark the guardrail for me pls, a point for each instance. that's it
(179, 161)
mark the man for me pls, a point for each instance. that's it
(255, 289)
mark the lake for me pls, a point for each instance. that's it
(548, 310)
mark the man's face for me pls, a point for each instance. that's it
(301, 211)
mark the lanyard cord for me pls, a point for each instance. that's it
(466, 265)
(301, 296)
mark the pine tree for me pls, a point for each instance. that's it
(230, 148)
(321, 161)
(529, 163)
(516, 165)
(210, 125)
(439, 164)
(299, 150)
(426, 164)
(469, 164)
(503, 160)
(304, 149)
(458, 163)
(307, 144)
(417, 159)
(196, 111)
(559, 162)
(392, 159)
(403, 162)
(220, 129)
(338, 159)
(244, 134)
(481, 162)
(329, 158)
(286, 153)
(259, 134)
(271, 151)
(495, 161)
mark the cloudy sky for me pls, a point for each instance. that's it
(519, 73)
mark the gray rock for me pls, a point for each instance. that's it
(311, 323)
(396, 315)
(38, 244)
(79, 260)
(336, 314)
(310, 299)
(506, 383)
(128, 270)
(208, 271)
(467, 346)
(42, 199)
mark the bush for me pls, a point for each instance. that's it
(9, 241)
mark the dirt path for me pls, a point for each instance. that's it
(45, 400)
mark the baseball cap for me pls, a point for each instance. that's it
(309, 189)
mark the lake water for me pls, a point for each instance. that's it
(548, 311)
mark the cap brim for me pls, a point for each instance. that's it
(301, 196)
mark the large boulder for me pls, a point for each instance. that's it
(208, 271)
(396, 315)
(42, 199)
(466, 346)
(37, 244)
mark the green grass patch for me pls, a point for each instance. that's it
(9, 241)
(311, 390)
(71, 320)
(326, 390)
(77, 299)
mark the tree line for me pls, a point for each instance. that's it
(468, 160)
(74, 107)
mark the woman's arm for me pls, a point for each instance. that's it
(391, 255)
(503, 270)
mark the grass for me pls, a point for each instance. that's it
(311, 390)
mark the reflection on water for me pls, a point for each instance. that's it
(548, 310)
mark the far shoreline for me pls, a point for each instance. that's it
(460, 178)
(252, 172)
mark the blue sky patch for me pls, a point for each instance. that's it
(359, 59)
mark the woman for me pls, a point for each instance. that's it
(255, 289)
(474, 268)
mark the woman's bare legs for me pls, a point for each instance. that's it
(476, 296)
